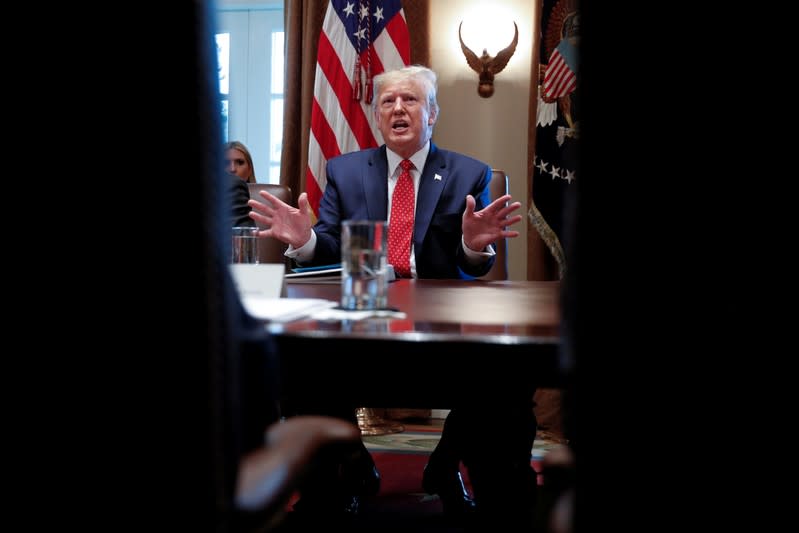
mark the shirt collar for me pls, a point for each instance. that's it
(418, 159)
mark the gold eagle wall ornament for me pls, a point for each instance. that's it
(487, 66)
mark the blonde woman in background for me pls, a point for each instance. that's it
(238, 161)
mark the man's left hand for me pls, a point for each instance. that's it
(490, 224)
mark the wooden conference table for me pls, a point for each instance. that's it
(458, 337)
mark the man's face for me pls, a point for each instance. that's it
(403, 117)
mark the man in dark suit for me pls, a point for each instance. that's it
(454, 223)
(454, 226)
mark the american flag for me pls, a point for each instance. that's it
(557, 139)
(560, 76)
(358, 41)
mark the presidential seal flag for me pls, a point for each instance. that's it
(557, 123)
(358, 41)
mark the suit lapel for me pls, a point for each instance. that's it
(434, 179)
(375, 185)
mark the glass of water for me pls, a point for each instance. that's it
(364, 279)
(245, 245)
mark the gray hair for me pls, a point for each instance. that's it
(426, 77)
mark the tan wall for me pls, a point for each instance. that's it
(491, 129)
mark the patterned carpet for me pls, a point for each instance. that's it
(401, 504)
(423, 439)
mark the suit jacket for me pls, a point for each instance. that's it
(239, 196)
(357, 188)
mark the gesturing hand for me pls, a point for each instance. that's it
(483, 227)
(288, 224)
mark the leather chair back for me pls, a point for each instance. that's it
(499, 187)
(271, 250)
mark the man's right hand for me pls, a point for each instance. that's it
(287, 224)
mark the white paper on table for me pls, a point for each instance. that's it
(283, 309)
(265, 280)
(356, 314)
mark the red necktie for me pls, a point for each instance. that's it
(400, 227)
